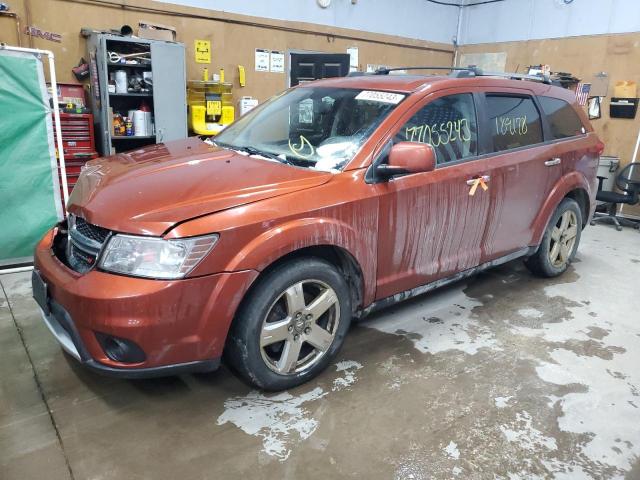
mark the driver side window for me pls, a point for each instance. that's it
(448, 124)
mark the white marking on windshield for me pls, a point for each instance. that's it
(383, 97)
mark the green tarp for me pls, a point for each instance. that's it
(29, 191)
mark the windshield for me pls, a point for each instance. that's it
(314, 127)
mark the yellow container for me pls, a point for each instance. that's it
(210, 106)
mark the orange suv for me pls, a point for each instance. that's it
(327, 202)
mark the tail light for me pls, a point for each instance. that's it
(599, 148)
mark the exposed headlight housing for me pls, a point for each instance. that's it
(154, 257)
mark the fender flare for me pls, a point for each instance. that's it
(566, 184)
(293, 235)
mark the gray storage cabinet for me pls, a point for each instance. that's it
(168, 101)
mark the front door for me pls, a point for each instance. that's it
(306, 67)
(432, 225)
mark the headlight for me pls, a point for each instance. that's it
(155, 257)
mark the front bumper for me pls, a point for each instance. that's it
(63, 329)
(180, 325)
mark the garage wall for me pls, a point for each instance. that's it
(513, 20)
(378, 16)
(234, 38)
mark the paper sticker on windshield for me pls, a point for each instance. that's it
(383, 97)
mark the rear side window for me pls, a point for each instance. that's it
(513, 121)
(448, 124)
(563, 119)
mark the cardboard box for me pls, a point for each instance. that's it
(156, 31)
(625, 89)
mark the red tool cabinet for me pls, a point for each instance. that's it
(78, 144)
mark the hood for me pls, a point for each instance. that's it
(149, 190)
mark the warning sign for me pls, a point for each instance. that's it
(203, 51)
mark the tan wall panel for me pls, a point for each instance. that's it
(9, 31)
(232, 44)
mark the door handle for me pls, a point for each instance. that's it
(555, 161)
(484, 178)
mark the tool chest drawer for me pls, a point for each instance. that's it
(77, 134)
(78, 144)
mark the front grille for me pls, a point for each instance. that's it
(84, 244)
(93, 232)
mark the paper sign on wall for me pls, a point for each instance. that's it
(599, 85)
(262, 60)
(489, 62)
(277, 62)
(353, 58)
(203, 51)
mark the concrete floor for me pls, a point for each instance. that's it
(504, 376)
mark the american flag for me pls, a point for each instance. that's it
(582, 93)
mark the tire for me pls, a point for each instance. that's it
(302, 306)
(559, 243)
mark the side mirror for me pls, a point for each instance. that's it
(408, 157)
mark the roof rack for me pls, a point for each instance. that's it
(386, 71)
(471, 71)
(519, 76)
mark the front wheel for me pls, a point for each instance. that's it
(291, 325)
(560, 241)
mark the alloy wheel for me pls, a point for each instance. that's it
(563, 239)
(300, 327)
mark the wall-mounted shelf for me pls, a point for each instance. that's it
(623, 107)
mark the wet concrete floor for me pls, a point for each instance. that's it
(503, 376)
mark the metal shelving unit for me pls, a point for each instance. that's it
(167, 100)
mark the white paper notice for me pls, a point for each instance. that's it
(262, 60)
(353, 57)
(383, 97)
(277, 62)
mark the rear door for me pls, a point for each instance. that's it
(430, 227)
(563, 127)
(306, 67)
(528, 168)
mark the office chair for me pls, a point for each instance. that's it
(628, 182)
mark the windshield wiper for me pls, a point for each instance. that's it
(224, 145)
(254, 151)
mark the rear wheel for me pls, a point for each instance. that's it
(560, 241)
(291, 325)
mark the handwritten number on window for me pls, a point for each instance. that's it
(440, 134)
(511, 125)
